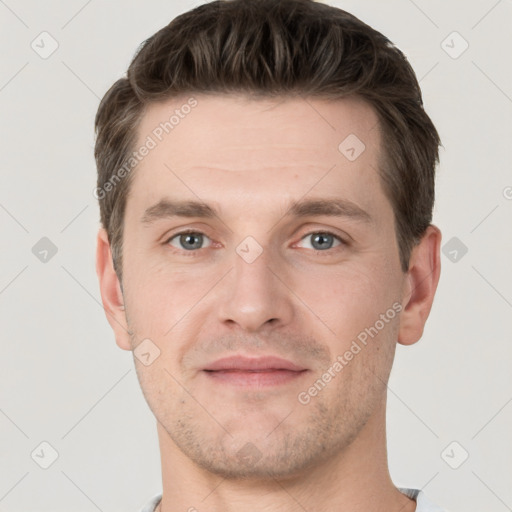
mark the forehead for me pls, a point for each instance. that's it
(223, 124)
(233, 147)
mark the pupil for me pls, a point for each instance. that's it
(322, 240)
(189, 243)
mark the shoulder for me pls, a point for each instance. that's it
(423, 504)
(152, 503)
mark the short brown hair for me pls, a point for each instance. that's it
(269, 48)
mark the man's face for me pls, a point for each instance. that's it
(258, 282)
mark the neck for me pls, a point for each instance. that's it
(354, 478)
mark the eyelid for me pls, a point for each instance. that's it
(341, 239)
(170, 234)
(168, 238)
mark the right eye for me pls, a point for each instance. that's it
(188, 240)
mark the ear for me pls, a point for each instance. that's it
(111, 294)
(420, 286)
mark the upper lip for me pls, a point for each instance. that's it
(253, 364)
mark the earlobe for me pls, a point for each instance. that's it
(111, 293)
(420, 286)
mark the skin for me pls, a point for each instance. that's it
(226, 447)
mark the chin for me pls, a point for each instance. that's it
(256, 456)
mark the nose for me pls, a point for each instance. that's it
(254, 295)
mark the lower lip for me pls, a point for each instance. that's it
(255, 378)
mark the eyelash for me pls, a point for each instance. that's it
(195, 252)
(329, 251)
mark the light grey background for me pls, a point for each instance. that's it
(63, 379)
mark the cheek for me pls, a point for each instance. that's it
(161, 303)
(348, 299)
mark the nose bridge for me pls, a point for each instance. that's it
(253, 297)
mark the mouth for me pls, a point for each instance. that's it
(254, 372)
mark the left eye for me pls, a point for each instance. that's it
(189, 241)
(322, 240)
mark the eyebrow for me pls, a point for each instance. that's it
(166, 208)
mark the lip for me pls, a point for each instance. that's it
(251, 372)
(254, 364)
